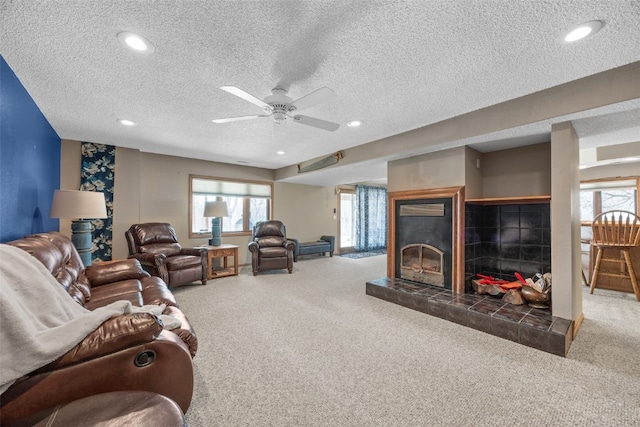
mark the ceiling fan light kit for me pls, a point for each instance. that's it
(280, 106)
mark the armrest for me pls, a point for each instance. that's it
(153, 260)
(201, 252)
(115, 334)
(253, 247)
(154, 264)
(331, 240)
(185, 331)
(168, 371)
(290, 245)
(296, 249)
(115, 271)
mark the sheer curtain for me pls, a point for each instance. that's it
(371, 218)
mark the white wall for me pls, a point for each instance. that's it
(523, 171)
(474, 165)
(164, 193)
(126, 198)
(153, 187)
(565, 223)
(307, 211)
(434, 170)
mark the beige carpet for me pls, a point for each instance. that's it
(312, 349)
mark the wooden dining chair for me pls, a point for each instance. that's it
(616, 230)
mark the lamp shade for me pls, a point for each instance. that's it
(74, 204)
(216, 209)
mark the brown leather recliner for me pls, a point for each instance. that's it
(270, 248)
(112, 409)
(155, 245)
(127, 352)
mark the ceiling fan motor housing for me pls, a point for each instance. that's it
(281, 104)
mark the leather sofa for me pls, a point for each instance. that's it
(127, 352)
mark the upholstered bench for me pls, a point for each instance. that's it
(322, 246)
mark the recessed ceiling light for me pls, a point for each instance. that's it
(582, 31)
(354, 123)
(281, 152)
(135, 42)
(126, 122)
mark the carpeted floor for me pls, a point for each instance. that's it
(312, 349)
(358, 255)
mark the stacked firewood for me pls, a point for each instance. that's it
(536, 290)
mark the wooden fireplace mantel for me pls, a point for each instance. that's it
(519, 200)
(457, 196)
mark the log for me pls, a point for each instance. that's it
(482, 289)
(513, 296)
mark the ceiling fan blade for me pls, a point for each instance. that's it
(246, 96)
(321, 95)
(312, 121)
(237, 119)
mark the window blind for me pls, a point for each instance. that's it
(609, 185)
(230, 188)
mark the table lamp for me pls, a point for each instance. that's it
(81, 207)
(215, 210)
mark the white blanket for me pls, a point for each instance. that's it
(39, 321)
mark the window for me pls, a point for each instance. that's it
(601, 196)
(247, 202)
(347, 219)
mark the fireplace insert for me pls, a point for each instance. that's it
(422, 263)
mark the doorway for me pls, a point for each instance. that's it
(347, 225)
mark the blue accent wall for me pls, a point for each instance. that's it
(29, 161)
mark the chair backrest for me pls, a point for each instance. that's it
(616, 228)
(154, 238)
(269, 233)
(58, 254)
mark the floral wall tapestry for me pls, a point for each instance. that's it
(98, 170)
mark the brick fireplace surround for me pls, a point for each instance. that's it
(456, 302)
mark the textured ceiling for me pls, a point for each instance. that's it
(395, 65)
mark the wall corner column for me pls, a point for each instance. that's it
(565, 223)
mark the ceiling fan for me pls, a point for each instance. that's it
(281, 106)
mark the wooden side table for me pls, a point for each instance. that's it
(223, 251)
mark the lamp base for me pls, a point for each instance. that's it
(216, 232)
(81, 238)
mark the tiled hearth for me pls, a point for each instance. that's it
(528, 326)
